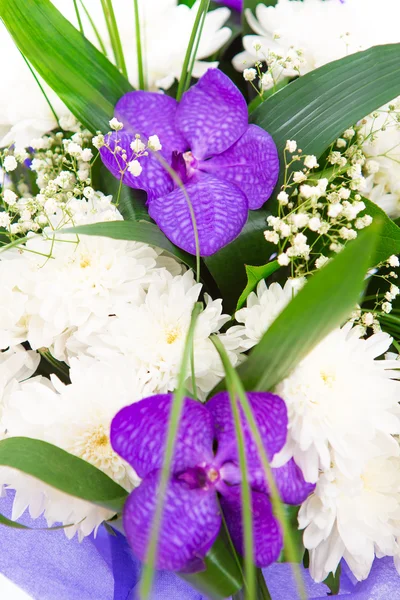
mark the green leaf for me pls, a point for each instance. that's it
(314, 110)
(324, 303)
(254, 275)
(222, 577)
(81, 75)
(250, 248)
(333, 581)
(62, 470)
(137, 231)
(389, 235)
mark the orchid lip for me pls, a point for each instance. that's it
(200, 477)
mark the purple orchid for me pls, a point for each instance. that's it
(203, 479)
(226, 165)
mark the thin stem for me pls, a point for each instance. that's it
(180, 184)
(78, 16)
(185, 70)
(42, 89)
(96, 31)
(196, 48)
(113, 32)
(173, 426)
(141, 77)
(277, 505)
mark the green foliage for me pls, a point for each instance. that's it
(81, 75)
(137, 231)
(62, 470)
(254, 275)
(389, 235)
(323, 304)
(333, 581)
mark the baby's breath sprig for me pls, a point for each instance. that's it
(318, 212)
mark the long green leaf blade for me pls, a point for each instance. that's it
(138, 231)
(62, 470)
(323, 304)
(315, 109)
(81, 75)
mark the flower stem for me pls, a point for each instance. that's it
(78, 16)
(113, 32)
(186, 74)
(141, 77)
(276, 501)
(96, 31)
(173, 427)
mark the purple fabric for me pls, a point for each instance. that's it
(47, 566)
(226, 165)
(191, 516)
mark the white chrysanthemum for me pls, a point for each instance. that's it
(54, 286)
(322, 30)
(355, 518)
(338, 398)
(262, 308)
(76, 418)
(298, 37)
(16, 364)
(153, 334)
(24, 112)
(381, 132)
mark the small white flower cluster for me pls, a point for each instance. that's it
(316, 214)
(272, 68)
(138, 147)
(344, 422)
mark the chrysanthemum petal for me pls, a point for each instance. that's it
(220, 210)
(212, 115)
(139, 431)
(190, 523)
(252, 163)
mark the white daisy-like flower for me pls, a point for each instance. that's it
(76, 418)
(16, 364)
(320, 30)
(262, 308)
(24, 111)
(356, 518)
(338, 398)
(381, 132)
(153, 333)
(55, 285)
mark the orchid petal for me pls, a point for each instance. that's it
(270, 415)
(266, 531)
(150, 113)
(154, 179)
(139, 431)
(212, 115)
(252, 163)
(220, 210)
(293, 488)
(190, 523)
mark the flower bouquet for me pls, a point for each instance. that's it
(199, 324)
